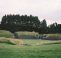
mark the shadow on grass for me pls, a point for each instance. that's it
(9, 43)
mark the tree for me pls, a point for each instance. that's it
(43, 27)
(53, 28)
(59, 28)
(15, 23)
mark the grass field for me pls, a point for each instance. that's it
(50, 50)
(28, 48)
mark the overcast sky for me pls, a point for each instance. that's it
(44, 9)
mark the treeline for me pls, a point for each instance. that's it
(54, 28)
(30, 23)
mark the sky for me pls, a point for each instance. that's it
(44, 9)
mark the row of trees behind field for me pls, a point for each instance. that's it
(14, 23)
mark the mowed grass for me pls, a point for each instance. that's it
(49, 50)
(38, 42)
(28, 48)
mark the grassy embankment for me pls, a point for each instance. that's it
(7, 34)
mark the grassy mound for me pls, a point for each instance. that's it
(54, 36)
(28, 42)
(6, 34)
(27, 33)
(11, 41)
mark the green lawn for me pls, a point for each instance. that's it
(28, 48)
(30, 51)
